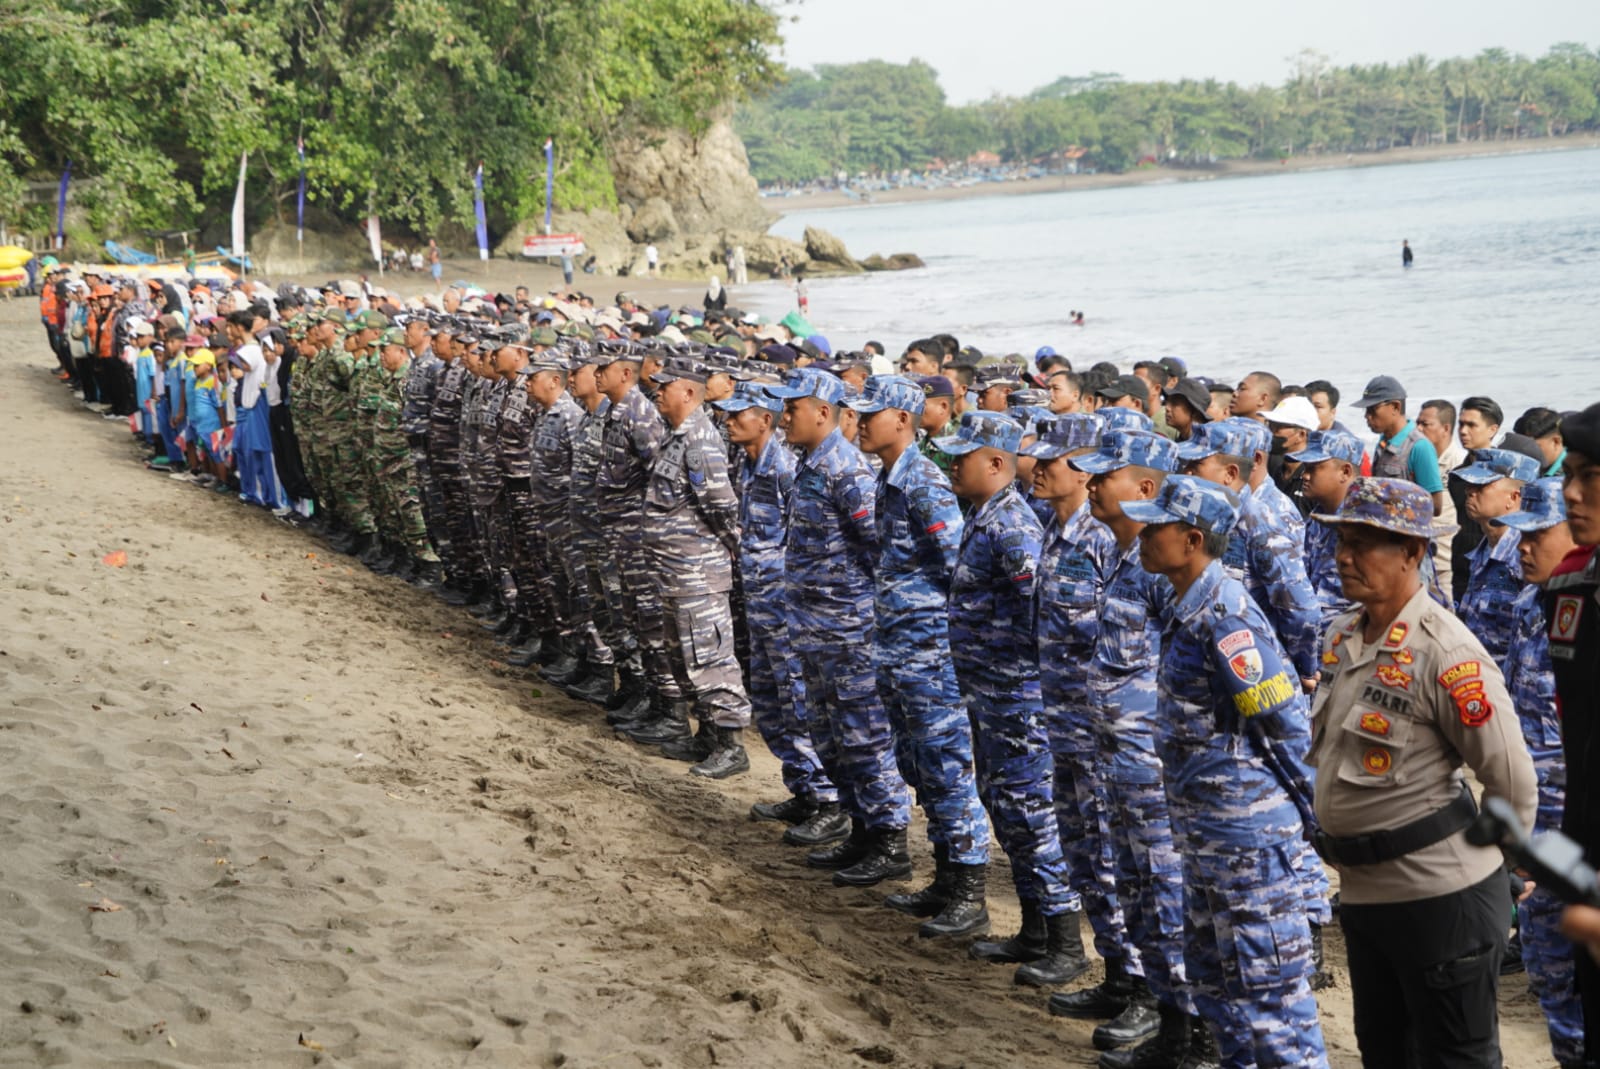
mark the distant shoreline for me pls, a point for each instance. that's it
(1164, 175)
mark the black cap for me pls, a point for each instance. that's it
(936, 386)
(1380, 390)
(1581, 432)
(1125, 386)
(1521, 443)
(1195, 392)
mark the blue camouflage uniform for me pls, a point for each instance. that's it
(919, 533)
(831, 548)
(1266, 553)
(996, 663)
(1495, 576)
(1320, 538)
(1075, 561)
(1232, 732)
(1530, 679)
(777, 685)
(1122, 689)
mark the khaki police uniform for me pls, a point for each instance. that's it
(1425, 914)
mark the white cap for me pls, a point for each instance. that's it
(1295, 412)
(138, 328)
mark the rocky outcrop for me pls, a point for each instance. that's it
(704, 182)
(826, 254)
(900, 261)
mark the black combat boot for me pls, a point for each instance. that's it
(527, 654)
(1164, 1050)
(631, 701)
(459, 590)
(692, 748)
(553, 650)
(666, 723)
(932, 898)
(363, 546)
(488, 603)
(428, 575)
(964, 911)
(1137, 1021)
(630, 685)
(1027, 945)
(340, 538)
(1203, 1053)
(595, 687)
(886, 859)
(842, 854)
(567, 668)
(506, 624)
(389, 559)
(727, 756)
(1064, 960)
(519, 634)
(1104, 1000)
(827, 825)
(796, 809)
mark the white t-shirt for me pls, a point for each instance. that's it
(255, 374)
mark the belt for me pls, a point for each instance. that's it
(1381, 846)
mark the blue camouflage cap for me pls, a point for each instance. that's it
(1066, 434)
(1125, 449)
(1542, 507)
(889, 391)
(1492, 465)
(681, 367)
(1124, 419)
(1228, 437)
(982, 430)
(1330, 445)
(1186, 499)
(1397, 505)
(749, 395)
(810, 382)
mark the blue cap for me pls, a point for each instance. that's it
(1044, 351)
(1330, 445)
(1226, 436)
(1122, 449)
(681, 367)
(1542, 507)
(1185, 499)
(1491, 465)
(889, 391)
(1397, 505)
(1124, 419)
(980, 430)
(1066, 434)
(810, 382)
(822, 344)
(999, 373)
(749, 395)
(1256, 434)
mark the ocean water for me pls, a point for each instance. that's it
(1296, 273)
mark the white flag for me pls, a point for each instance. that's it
(375, 239)
(238, 211)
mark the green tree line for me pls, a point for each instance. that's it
(397, 100)
(878, 117)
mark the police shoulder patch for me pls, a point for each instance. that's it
(1462, 670)
(1472, 704)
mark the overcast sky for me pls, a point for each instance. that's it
(980, 47)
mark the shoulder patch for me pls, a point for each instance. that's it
(1235, 641)
(1246, 664)
(1471, 703)
(1456, 673)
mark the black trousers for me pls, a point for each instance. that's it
(1424, 976)
(286, 453)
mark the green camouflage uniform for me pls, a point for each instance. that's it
(398, 488)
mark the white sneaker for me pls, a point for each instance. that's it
(181, 476)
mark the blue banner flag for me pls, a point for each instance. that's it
(300, 199)
(61, 207)
(477, 206)
(549, 179)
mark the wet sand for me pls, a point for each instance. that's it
(254, 793)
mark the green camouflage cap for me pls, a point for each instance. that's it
(334, 315)
(543, 336)
(373, 320)
(391, 336)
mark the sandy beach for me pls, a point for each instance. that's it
(1159, 175)
(263, 808)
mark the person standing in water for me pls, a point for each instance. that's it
(1405, 253)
